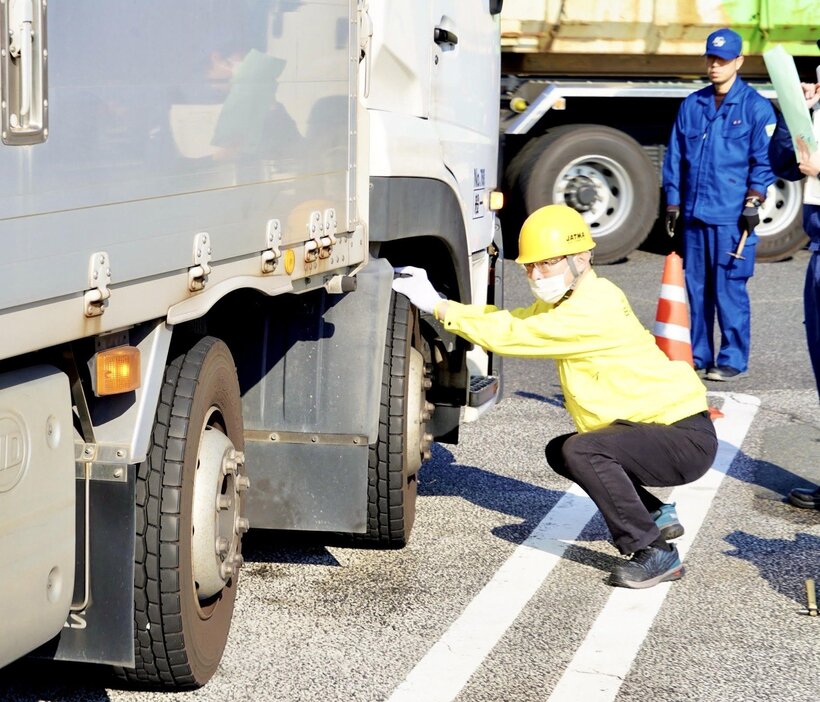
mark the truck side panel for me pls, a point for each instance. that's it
(37, 507)
(229, 120)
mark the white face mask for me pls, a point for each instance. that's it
(550, 289)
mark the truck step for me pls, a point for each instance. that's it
(482, 389)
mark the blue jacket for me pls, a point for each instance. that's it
(716, 156)
(784, 165)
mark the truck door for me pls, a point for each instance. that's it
(399, 66)
(464, 104)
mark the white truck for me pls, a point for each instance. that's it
(590, 91)
(203, 204)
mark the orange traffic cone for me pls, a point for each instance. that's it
(672, 317)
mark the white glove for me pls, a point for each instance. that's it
(417, 288)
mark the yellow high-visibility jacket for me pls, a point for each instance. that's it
(608, 363)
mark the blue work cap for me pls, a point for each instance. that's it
(724, 43)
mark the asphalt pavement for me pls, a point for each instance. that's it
(501, 595)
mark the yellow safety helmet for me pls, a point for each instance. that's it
(552, 231)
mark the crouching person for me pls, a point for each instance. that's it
(641, 419)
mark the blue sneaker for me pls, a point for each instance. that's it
(666, 518)
(648, 567)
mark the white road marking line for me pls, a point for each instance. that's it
(448, 665)
(604, 658)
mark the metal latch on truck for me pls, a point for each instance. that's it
(273, 240)
(322, 235)
(99, 277)
(198, 273)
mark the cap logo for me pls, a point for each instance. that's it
(718, 41)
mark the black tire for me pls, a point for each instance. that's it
(601, 172)
(780, 232)
(514, 211)
(402, 444)
(179, 638)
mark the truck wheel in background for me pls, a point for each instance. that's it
(780, 231)
(599, 171)
(189, 522)
(402, 443)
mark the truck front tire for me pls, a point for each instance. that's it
(599, 171)
(188, 490)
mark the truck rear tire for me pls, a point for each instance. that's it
(780, 232)
(599, 171)
(190, 523)
(402, 443)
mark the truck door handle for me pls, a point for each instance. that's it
(21, 17)
(444, 36)
(23, 82)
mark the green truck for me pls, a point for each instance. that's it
(590, 89)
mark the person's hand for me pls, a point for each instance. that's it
(750, 217)
(672, 215)
(811, 91)
(413, 283)
(809, 163)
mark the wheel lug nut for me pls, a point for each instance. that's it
(223, 502)
(221, 545)
(427, 383)
(241, 525)
(238, 561)
(226, 570)
(243, 482)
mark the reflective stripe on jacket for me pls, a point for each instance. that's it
(716, 156)
(608, 363)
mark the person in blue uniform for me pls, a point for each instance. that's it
(784, 164)
(715, 174)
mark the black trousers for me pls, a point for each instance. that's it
(614, 464)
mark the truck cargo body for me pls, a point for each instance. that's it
(199, 227)
(590, 93)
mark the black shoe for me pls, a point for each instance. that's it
(807, 499)
(648, 567)
(722, 373)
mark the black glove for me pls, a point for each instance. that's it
(672, 220)
(749, 219)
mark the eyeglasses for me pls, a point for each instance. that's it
(543, 266)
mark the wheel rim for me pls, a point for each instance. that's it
(414, 446)
(599, 188)
(217, 521)
(784, 200)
